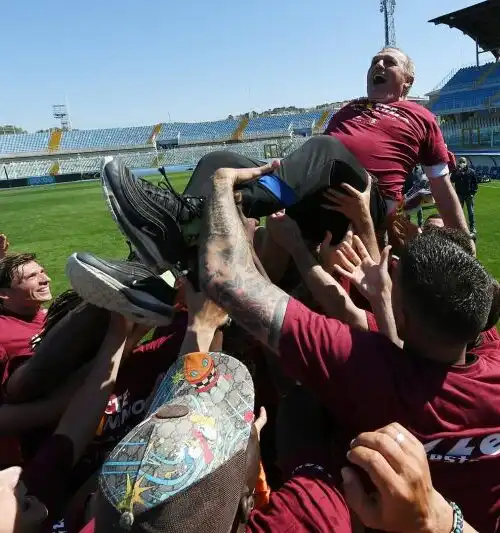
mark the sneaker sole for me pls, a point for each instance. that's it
(102, 290)
(144, 246)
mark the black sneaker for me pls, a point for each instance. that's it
(152, 218)
(130, 289)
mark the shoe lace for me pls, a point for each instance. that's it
(192, 204)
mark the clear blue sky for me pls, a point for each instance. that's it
(129, 63)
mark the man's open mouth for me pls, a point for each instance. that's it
(379, 79)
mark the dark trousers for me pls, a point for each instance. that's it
(420, 218)
(319, 163)
(469, 202)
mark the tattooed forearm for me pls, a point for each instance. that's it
(228, 274)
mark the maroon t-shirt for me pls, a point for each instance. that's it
(368, 382)
(309, 501)
(16, 334)
(136, 379)
(389, 140)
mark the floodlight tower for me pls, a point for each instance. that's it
(387, 7)
(60, 112)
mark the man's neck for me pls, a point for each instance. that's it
(26, 312)
(450, 355)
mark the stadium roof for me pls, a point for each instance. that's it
(480, 22)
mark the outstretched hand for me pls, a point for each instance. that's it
(202, 310)
(237, 176)
(404, 230)
(356, 264)
(354, 204)
(330, 253)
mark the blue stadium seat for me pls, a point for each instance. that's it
(470, 89)
(183, 133)
(24, 142)
(105, 138)
(187, 133)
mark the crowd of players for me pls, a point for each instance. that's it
(363, 386)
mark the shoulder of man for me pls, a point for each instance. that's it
(416, 108)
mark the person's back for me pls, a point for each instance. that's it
(448, 398)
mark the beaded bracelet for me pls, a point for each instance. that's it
(458, 518)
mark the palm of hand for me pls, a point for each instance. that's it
(330, 254)
(369, 277)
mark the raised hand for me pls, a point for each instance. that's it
(202, 310)
(330, 253)
(356, 264)
(404, 230)
(354, 204)
(237, 176)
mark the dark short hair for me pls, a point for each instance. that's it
(445, 288)
(457, 236)
(9, 266)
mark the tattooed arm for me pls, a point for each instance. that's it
(227, 271)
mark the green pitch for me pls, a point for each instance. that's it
(55, 221)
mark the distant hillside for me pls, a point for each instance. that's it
(286, 110)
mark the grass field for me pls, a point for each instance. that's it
(55, 221)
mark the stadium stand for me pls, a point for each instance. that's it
(471, 88)
(282, 125)
(105, 138)
(468, 104)
(271, 126)
(182, 155)
(173, 133)
(187, 133)
(24, 142)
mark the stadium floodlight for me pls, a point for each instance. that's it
(387, 7)
(60, 112)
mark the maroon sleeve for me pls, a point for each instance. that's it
(307, 502)
(433, 150)
(47, 475)
(490, 335)
(347, 368)
(372, 321)
(311, 345)
(4, 363)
